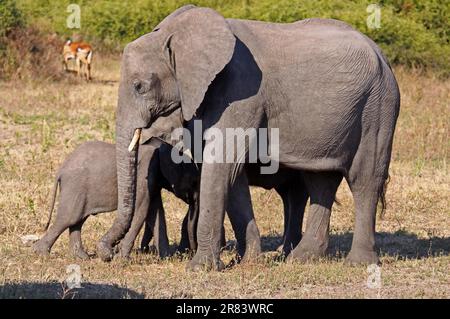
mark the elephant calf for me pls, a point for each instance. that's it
(88, 185)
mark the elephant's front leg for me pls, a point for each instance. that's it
(147, 201)
(214, 186)
(240, 212)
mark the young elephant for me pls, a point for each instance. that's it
(88, 185)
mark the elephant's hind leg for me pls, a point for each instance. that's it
(370, 167)
(322, 189)
(45, 244)
(70, 212)
(75, 243)
(366, 187)
(366, 181)
(363, 245)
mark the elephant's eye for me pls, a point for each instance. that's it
(141, 87)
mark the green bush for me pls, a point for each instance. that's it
(413, 32)
(25, 51)
(10, 17)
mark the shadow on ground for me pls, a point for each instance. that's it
(57, 290)
(400, 244)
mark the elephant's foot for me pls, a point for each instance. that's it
(149, 249)
(77, 250)
(163, 252)
(361, 256)
(183, 249)
(205, 262)
(41, 249)
(104, 251)
(252, 253)
(308, 250)
(286, 248)
(124, 250)
(184, 245)
(251, 249)
(116, 249)
(80, 253)
(289, 244)
(145, 249)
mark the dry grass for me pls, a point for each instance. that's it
(40, 123)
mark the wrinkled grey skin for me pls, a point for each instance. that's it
(88, 186)
(327, 87)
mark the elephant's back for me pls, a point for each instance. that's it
(263, 25)
(92, 162)
(309, 49)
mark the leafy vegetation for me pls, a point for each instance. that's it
(412, 32)
(11, 17)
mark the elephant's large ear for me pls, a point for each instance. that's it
(200, 45)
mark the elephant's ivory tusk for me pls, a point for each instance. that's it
(135, 140)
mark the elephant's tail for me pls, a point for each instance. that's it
(52, 205)
(382, 196)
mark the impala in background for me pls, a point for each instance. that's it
(82, 53)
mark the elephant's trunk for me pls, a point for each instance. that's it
(126, 156)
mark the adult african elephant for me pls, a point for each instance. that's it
(327, 87)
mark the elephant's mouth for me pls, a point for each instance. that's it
(135, 139)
